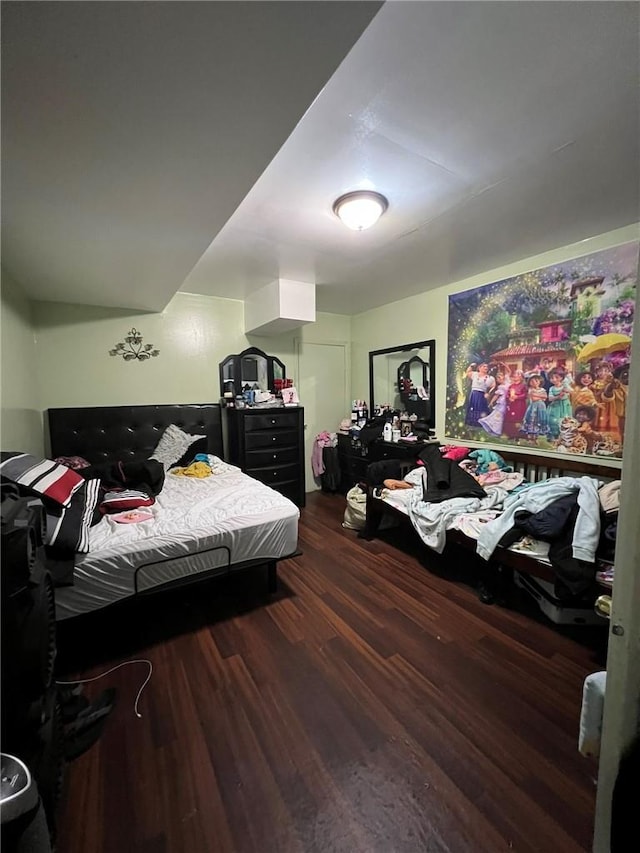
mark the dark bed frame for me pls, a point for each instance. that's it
(534, 468)
(131, 433)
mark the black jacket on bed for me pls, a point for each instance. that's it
(446, 479)
(148, 475)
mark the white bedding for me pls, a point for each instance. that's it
(191, 515)
(432, 520)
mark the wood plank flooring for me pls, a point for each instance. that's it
(371, 705)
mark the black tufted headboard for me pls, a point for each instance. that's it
(112, 433)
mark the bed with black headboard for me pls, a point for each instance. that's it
(115, 433)
(223, 523)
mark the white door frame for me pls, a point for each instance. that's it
(621, 722)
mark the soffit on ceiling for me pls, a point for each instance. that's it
(132, 131)
(496, 130)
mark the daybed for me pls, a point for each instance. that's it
(200, 527)
(534, 469)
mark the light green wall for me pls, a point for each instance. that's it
(194, 333)
(73, 344)
(20, 417)
(425, 316)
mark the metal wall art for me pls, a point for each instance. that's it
(132, 348)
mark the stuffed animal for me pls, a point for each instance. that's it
(489, 460)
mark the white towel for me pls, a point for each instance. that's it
(591, 714)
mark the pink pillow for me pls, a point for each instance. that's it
(452, 451)
(76, 463)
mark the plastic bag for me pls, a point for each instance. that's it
(355, 514)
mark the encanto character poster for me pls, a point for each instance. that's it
(542, 359)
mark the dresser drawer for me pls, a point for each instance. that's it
(271, 438)
(272, 456)
(280, 474)
(276, 420)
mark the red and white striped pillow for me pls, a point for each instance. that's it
(42, 476)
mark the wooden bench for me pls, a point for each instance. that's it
(534, 469)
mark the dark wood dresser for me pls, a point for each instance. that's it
(354, 457)
(268, 444)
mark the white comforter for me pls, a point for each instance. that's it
(188, 508)
(197, 525)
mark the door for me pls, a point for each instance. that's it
(323, 382)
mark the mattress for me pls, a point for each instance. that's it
(197, 525)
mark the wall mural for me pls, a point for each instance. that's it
(542, 359)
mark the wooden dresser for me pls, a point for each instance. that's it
(268, 444)
(354, 457)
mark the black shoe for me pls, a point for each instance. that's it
(88, 725)
(72, 702)
(486, 595)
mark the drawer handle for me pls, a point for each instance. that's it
(275, 455)
(273, 420)
(274, 438)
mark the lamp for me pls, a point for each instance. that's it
(360, 209)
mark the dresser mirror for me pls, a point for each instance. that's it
(403, 377)
(250, 367)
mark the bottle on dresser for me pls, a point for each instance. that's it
(359, 413)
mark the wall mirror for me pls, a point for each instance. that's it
(404, 378)
(250, 367)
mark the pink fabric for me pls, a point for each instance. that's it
(323, 439)
(452, 451)
(76, 463)
(316, 459)
(133, 516)
(491, 478)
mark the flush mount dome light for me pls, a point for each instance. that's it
(360, 209)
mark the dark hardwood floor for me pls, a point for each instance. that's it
(370, 705)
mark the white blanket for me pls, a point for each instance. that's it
(197, 525)
(432, 520)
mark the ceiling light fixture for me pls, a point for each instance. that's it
(360, 209)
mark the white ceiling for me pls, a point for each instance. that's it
(132, 131)
(136, 136)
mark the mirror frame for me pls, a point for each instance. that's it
(236, 361)
(431, 370)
